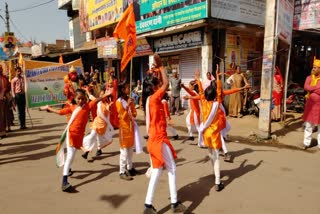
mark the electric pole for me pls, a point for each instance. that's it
(269, 57)
(7, 18)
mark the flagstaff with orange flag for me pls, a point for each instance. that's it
(20, 62)
(126, 30)
(61, 59)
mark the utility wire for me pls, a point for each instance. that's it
(31, 7)
(17, 29)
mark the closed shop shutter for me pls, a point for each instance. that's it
(190, 61)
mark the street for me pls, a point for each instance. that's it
(260, 179)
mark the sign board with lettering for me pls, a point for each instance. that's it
(178, 41)
(165, 13)
(45, 81)
(245, 11)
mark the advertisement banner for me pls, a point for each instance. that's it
(103, 12)
(161, 14)
(108, 48)
(285, 20)
(245, 11)
(44, 81)
(306, 14)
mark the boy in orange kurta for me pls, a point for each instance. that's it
(75, 129)
(214, 122)
(159, 147)
(126, 112)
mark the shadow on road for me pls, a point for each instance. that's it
(115, 200)
(238, 172)
(194, 192)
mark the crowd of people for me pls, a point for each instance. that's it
(207, 117)
(111, 106)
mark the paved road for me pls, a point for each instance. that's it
(261, 179)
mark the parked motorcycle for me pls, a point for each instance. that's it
(295, 98)
(252, 104)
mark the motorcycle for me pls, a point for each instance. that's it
(252, 104)
(295, 98)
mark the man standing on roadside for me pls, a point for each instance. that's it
(3, 103)
(18, 93)
(175, 83)
(311, 115)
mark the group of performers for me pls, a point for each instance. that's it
(211, 127)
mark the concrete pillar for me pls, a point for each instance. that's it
(206, 54)
(269, 57)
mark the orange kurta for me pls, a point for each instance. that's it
(157, 130)
(211, 135)
(78, 126)
(98, 124)
(126, 127)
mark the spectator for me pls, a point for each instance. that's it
(18, 93)
(175, 83)
(136, 93)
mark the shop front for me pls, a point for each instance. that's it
(182, 52)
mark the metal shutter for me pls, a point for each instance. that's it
(190, 61)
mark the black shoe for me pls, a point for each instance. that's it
(85, 155)
(304, 147)
(133, 172)
(149, 209)
(146, 137)
(66, 187)
(126, 177)
(191, 138)
(227, 157)
(23, 127)
(219, 187)
(178, 207)
(176, 137)
(99, 152)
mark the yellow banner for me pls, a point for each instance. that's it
(104, 12)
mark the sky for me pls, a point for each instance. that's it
(44, 23)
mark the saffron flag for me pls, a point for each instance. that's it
(126, 30)
(61, 59)
(20, 61)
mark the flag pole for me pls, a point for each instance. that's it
(130, 85)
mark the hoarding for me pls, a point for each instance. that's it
(165, 13)
(245, 11)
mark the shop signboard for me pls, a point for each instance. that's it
(107, 48)
(284, 20)
(306, 14)
(178, 41)
(245, 11)
(143, 48)
(103, 12)
(165, 13)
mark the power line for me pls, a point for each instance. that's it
(31, 7)
(17, 29)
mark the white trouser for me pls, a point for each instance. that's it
(190, 127)
(214, 156)
(172, 130)
(308, 134)
(224, 146)
(96, 139)
(156, 172)
(125, 159)
(71, 151)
